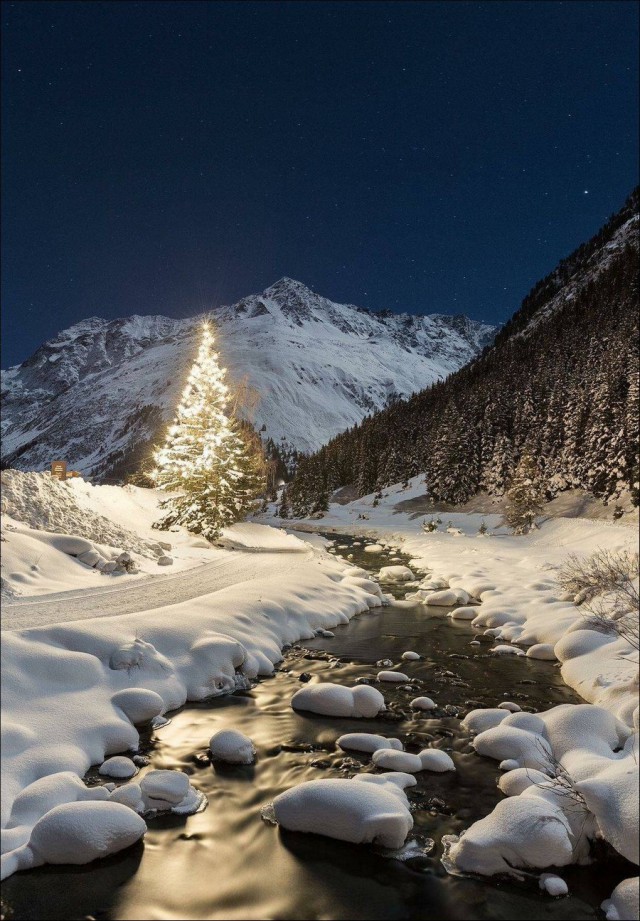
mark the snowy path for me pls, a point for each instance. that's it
(142, 595)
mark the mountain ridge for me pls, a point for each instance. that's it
(100, 392)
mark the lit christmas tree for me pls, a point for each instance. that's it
(215, 473)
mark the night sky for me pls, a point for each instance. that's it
(432, 157)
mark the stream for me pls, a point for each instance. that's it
(227, 863)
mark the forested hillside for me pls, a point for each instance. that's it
(560, 383)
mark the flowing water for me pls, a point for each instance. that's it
(227, 863)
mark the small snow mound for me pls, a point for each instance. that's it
(509, 764)
(503, 840)
(542, 651)
(395, 574)
(410, 656)
(504, 650)
(553, 884)
(517, 780)
(139, 654)
(231, 746)
(165, 786)
(446, 598)
(466, 613)
(392, 676)
(366, 742)
(139, 704)
(119, 766)
(170, 791)
(423, 703)
(327, 699)
(509, 705)
(432, 759)
(349, 810)
(393, 760)
(374, 548)
(78, 833)
(479, 720)
(129, 794)
(623, 904)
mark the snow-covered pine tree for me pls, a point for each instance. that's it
(524, 497)
(284, 511)
(213, 470)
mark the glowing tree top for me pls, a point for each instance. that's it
(205, 459)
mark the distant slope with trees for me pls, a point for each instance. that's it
(559, 384)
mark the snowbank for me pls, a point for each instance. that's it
(575, 779)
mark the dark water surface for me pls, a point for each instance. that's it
(227, 863)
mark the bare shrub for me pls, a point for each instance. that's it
(605, 586)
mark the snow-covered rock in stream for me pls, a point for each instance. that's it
(366, 809)
(397, 761)
(432, 759)
(395, 574)
(503, 840)
(231, 746)
(553, 885)
(367, 742)
(423, 703)
(336, 700)
(170, 791)
(119, 767)
(392, 677)
(624, 902)
(77, 833)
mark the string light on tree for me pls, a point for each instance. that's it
(214, 471)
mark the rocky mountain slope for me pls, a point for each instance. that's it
(100, 393)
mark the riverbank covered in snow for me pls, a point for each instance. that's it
(73, 694)
(570, 773)
(513, 578)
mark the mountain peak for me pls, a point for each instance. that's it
(286, 285)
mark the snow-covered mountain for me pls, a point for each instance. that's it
(99, 393)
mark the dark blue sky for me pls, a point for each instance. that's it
(166, 157)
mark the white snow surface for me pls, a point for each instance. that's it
(318, 367)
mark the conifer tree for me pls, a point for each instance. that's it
(284, 510)
(524, 498)
(213, 470)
